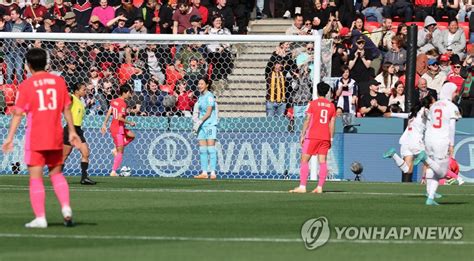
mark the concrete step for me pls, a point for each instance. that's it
(255, 56)
(232, 114)
(267, 50)
(250, 71)
(231, 92)
(266, 27)
(241, 101)
(267, 31)
(247, 86)
(245, 79)
(271, 21)
(250, 63)
(240, 108)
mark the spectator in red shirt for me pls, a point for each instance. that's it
(455, 75)
(34, 13)
(423, 8)
(185, 100)
(201, 9)
(181, 18)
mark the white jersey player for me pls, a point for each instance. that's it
(411, 141)
(439, 139)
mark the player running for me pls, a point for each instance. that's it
(121, 135)
(43, 98)
(205, 125)
(316, 137)
(411, 141)
(77, 111)
(439, 139)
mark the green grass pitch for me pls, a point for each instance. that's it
(183, 219)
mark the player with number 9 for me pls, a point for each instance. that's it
(121, 135)
(43, 98)
(316, 137)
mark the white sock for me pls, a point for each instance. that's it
(432, 183)
(400, 163)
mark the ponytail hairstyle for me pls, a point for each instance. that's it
(424, 103)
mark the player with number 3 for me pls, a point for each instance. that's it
(316, 137)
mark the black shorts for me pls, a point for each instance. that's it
(79, 132)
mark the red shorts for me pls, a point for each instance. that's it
(119, 137)
(316, 147)
(51, 158)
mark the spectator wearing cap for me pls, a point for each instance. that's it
(83, 11)
(71, 25)
(423, 8)
(196, 26)
(182, 17)
(34, 12)
(452, 40)
(129, 11)
(458, 73)
(373, 104)
(95, 26)
(449, 8)
(434, 77)
(396, 55)
(276, 90)
(15, 49)
(224, 11)
(203, 12)
(445, 63)
(104, 12)
(121, 27)
(48, 25)
(359, 62)
(59, 10)
(426, 36)
(382, 36)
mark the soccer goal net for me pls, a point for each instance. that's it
(261, 83)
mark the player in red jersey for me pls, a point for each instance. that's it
(122, 136)
(316, 137)
(43, 98)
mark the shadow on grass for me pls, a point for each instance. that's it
(76, 224)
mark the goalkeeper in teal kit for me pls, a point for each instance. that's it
(205, 125)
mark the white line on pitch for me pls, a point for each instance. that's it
(158, 190)
(227, 239)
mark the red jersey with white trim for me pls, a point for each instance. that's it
(119, 108)
(321, 112)
(43, 97)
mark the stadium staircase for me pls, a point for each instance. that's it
(243, 95)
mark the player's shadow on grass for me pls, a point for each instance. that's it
(452, 203)
(76, 224)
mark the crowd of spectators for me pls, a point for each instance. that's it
(163, 76)
(368, 65)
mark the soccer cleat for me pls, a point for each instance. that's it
(113, 173)
(202, 176)
(437, 195)
(67, 214)
(213, 175)
(460, 181)
(37, 223)
(420, 157)
(259, 15)
(318, 190)
(298, 190)
(389, 153)
(431, 202)
(287, 15)
(451, 181)
(88, 181)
